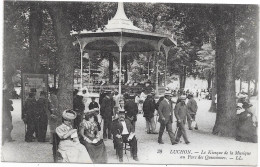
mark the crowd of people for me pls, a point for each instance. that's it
(81, 137)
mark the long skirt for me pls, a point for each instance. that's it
(246, 132)
(96, 151)
(73, 152)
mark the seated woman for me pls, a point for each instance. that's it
(246, 130)
(69, 147)
(90, 138)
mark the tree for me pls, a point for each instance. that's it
(35, 30)
(206, 68)
(64, 41)
(223, 18)
(247, 44)
(206, 64)
(15, 55)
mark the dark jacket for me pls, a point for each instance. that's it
(181, 112)
(117, 127)
(245, 130)
(192, 106)
(101, 97)
(78, 104)
(93, 105)
(131, 109)
(149, 107)
(106, 108)
(7, 116)
(43, 107)
(165, 111)
(8, 107)
(30, 108)
(158, 103)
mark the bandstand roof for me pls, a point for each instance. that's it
(120, 32)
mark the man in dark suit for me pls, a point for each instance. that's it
(106, 111)
(29, 117)
(165, 117)
(149, 109)
(43, 107)
(131, 110)
(122, 130)
(78, 107)
(181, 113)
(94, 105)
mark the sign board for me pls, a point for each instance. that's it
(38, 82)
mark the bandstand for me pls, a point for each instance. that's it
(120, 37)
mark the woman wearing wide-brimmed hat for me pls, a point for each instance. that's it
(91, 138)
(246, 130)
(70, 147)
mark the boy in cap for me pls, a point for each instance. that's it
(192, 108)
(181, 113)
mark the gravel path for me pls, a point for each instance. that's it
(149, 151)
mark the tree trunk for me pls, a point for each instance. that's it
(209, 81)
(240, 85)
(66, 63)
(248, 89)
(126, 71)
(225, 53)
(55, 79)
(110, 68)
(35, 30)
(213, 107)
(256, 88)
(182, 78)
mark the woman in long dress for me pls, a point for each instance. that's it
(90, 138)
(70, 148)
(246, 130)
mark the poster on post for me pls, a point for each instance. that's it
(33, 83)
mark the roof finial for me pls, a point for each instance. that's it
(120, 20)
(120, 13)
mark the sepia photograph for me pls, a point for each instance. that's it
(148, 83)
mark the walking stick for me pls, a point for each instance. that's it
(175, 133)
(38, 127)
(25, 128)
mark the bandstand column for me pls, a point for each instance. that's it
(166, 49)
(120, 69)
(156, 78)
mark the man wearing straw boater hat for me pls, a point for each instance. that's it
(181, 113)
(123, 132)
(165, 111)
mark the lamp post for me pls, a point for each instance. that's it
(89, 73)
(81, 64)
(157, 75)
(149, 59)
